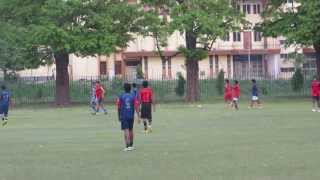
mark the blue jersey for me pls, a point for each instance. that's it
(255, 90)
(4, 98)
(127, 102)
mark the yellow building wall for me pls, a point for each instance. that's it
(82, 67)
(154, 68)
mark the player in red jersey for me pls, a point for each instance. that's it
(315, 93)
(227, 93)
(236, 95)
(147, 102)
(99, 97)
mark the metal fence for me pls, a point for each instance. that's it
(42, 90)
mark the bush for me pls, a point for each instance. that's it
(220, 82)
(297, 80)
(180, 89)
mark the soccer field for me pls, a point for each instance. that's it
(279, 142)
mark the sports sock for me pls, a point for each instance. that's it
(145, 125)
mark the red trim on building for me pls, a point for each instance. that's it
(308, 50)
(134, 55)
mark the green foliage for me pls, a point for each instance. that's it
(298, 22)
(207, 20)
(180, 88)
(75, 26)
(297, 80)
(220, 82)
(139, 72)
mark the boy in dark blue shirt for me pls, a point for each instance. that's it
(5, 101)
(255, 95)
(127, 104)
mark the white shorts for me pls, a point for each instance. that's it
(235, 99)
(255, 98)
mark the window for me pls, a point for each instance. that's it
(257, 36)
(236, 36)
(284, 56)
(291, 69)
(282, 42)
(211, 62)
(216, 64)
(103, 68)
(229, 66)
(226, 37)
(256, 8)
(118, 67)
(246, 8)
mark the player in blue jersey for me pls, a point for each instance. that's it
(5, 102)
(255, 100)
(127, 104)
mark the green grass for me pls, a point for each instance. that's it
(279, 142)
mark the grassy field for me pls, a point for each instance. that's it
(279, 142)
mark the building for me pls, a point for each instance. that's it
(241, 55)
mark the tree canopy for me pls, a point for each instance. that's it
(201, 22)
(57, 28)
(298, 22)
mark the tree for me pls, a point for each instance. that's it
(299, 22)
(201, 22)
(57, 28)
(12, 52)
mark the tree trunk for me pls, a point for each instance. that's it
(62, 79)
(317, 49)
(192, 65)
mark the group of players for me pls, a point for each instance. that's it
(232, 95)
(133, 100)
(142, 102)
(130, 101)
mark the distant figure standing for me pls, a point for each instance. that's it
(147, 101)
(315, 93)
(134, 90)
(5, 102)
(227, 93)
(236, 95)
(100, 92)
(255, 95)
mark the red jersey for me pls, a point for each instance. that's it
(99, 91)
(227, 89)
(236, 91)
(315, 89)
(146, 95)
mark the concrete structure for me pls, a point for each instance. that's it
(240, 55)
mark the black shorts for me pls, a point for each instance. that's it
(127, 124)
(4, 109)
(99, 100)
(146, 111)
(315, 98)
